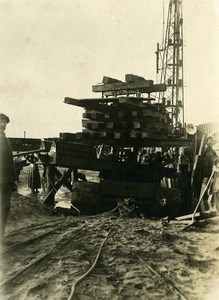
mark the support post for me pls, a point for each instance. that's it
(50, 198)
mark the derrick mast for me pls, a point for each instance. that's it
(170, 66)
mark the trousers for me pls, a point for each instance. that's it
(5, 197)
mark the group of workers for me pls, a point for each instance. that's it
(8, 175)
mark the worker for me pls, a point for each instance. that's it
(210, 169)
(34, 182)
(18, 166)
(7, 174)
(215, 183)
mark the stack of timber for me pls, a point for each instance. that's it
(122, 117)
(122, 114)
(122, 130)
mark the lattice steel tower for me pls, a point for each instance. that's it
(170, 66)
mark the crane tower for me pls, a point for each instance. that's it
(170, 66)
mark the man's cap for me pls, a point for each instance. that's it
(4, 117)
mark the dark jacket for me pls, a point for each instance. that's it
(7, 168)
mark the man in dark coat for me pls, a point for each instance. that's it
(7, 174)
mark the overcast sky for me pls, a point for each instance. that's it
(54, 49)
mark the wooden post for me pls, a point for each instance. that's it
(50, 198)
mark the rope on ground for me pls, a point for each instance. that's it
(166, 279)
(89, 270)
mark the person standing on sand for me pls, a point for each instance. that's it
(215, 183)
(34, 182)
(7, 174)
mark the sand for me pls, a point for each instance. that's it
(140, 258)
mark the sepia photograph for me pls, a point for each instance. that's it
(109, 150)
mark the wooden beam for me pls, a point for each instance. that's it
(88, 124)
(89, 101)
(59, 175)
(149, 134)
(107, 80)
(75, 149)
(92, 105)
(67, 136)
(141, 87)
(119, 86)
(93, 115)
(134, 78)
(96, 138)
(145, 113)
(24, 153)
(50, 198)
(94, 101)
(85, 163)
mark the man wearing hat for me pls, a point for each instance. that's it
(7, 174)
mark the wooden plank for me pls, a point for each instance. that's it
(109, 100)
(95, 164)
(134, 78)
(59, 176)
(107, 80)
(122, 114)
(106, 135)
(93, 125)
(67, 136)
(89, 102)
(100, 135)
(119, 125)
(148, 125)
(93, 115)
(140, 115)
(93, 105)
(68, 146)
(141, 87)
(50, 198)
(118, 86)
(83, 135)
(145, 134)
(92, 134)
(77, 153)
(135, 103)
(148, 113)
(121, 134)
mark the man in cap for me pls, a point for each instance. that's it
(7, 174)
(215, 186)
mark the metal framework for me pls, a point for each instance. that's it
(170, 65)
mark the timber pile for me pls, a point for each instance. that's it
(122, 114)
(117, 127)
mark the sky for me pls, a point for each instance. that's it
(56, 49)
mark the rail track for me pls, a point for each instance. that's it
(96, 258)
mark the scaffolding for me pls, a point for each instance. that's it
(170, 66)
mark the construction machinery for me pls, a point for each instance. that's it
(128, 139)
(134, 135)
(134, 138)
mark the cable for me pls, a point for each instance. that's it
(89, 270)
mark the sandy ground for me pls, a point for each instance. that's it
(44, 254)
